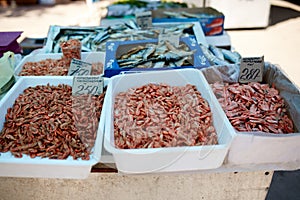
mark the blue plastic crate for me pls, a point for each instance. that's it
(112, 68)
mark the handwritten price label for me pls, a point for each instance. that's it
(251, 69)
(87, 85)
(144, 19)
(79, 68)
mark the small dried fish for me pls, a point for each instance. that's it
(156, 56)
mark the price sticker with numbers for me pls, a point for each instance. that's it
(144, 19)
(92, 85)
(79, 68)
(251, 69)
(172, 38)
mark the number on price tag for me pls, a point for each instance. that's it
(79, 68)
(251, 69)
(144, 19)
(87, 85)
(172, 38)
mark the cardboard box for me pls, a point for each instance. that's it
(243, 13)
(170, 159)
(211, 20)
(115, 49)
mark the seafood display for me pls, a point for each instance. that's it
(95, 38)
(254, 107)
(159, 115)
(156, 56)
(211, 20)
(212, 24)
(47, 121)
(219, 56)
(53, 67)
(71, 49)
(59, 67)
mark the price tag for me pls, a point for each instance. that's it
(251, 69)
(79, 68)
(172, 38)
(144, 19)
(87, 85)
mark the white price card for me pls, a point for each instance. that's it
(144, 19)
(79, 68)
(251, 69)
(87, 85)
(172, 38)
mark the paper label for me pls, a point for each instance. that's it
(79, 68)
(251, 69)
(172, 38)
(87, 85)
(144, 19)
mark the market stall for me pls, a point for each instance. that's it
(149, 108)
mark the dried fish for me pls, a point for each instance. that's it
(156, 56)
(95, 38)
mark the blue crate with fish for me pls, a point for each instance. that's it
(149, 55)
(210, 19)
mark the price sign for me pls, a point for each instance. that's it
(251, 69)
(79, 68)
(87, 85)
(172, 38)
(144, 19)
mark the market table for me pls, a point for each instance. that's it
(111, 185)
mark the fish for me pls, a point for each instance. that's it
(216, 51)
(233, 57)
(156, 56)
(211, 57)
(95, 38)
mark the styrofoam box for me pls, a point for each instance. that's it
(44, 167)
(219, 40)
(158, 23)
(251, 149)
(259, 148)
(169, 159)
(243, 13)
(90, 57)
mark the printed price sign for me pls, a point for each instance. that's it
(172, 38)
(79, 68)
(251, 69)
(144, 19)
(87, 85)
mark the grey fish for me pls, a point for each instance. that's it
(233, 57)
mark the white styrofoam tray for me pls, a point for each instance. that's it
(44, 167)
(170, 159)
(248, 149)
(90, 57)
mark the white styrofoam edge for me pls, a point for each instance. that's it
(94, 157)
(219, 40)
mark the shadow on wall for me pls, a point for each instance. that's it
(279, 14)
